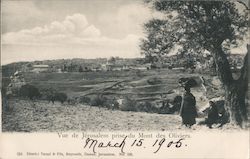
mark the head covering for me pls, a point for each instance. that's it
(187, 82)
(187, 87)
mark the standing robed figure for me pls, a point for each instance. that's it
(188, 110)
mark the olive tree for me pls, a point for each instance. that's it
(199, 26)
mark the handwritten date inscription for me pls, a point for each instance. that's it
(94, 145)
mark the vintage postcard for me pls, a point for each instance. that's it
(124, 79)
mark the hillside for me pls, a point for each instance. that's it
(9, 69)
(43, 117)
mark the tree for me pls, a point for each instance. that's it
(64, 68)
(196, 26)
(112, 60)
(80, 69)
(62, 97)
(29, 91)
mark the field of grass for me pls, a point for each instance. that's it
(131, 82)
(144, 85)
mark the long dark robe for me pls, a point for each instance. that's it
(188, 110)
(213, 116)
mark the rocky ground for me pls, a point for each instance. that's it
(41, 116)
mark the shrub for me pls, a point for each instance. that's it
(72, 101)
(61, 97)
(176, 104)
(111, 104)
(29, 91)
(165, 109)
(140, 107)
(128, 105)
(84, 100)
(48, 93)
(98, 101)
(149, 107)
(146, 107)
(115, 105)
(52, 95)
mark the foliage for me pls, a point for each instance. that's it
(112, 60)
(29, 91)
(72, 101)
(61, 97)
(110, 103)
(194, 27)
(145, 107)
(84, 100)
(165, 109)
(80, 69)
(98, 101)
(53, 95)
(128, 104)
(48, 93)
(114, 105)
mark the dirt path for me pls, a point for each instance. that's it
(43, 117)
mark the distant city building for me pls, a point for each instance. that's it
(141, 67)
(59, 70)
(115, 67)
(40, 68)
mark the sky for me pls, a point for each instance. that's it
(56, 29)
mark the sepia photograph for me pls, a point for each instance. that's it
(117, 65)
(124, 79)
(96, 66)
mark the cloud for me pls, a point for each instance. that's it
(75, 26)
(91, 31)
(80, 48)
(73, 37)
(132, 16)
(126, 20)
(73, 29)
